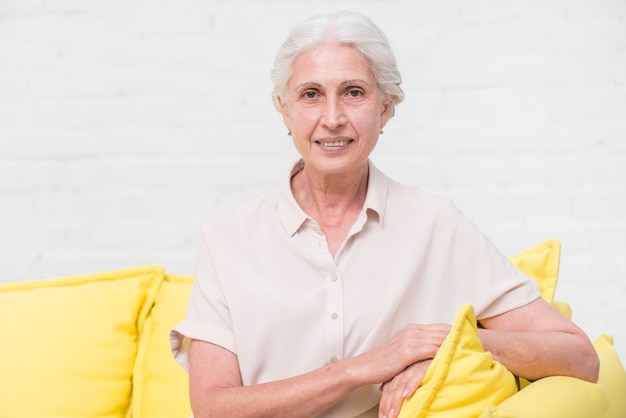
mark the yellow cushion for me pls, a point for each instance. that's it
(560, 396)
(69, 344)
(541, 263)
(462, 379)
(161, 388)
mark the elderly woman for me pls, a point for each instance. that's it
(330, 296)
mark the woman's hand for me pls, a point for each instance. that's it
(400, 387)
(401, 362)
(413, 344)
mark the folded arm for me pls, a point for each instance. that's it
(536, 341)
(216, 387)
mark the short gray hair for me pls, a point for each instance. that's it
(346, 28)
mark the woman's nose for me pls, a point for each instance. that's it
(334, 115)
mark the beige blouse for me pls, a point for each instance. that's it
(268, 289)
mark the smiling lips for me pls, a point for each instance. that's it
(334, 144)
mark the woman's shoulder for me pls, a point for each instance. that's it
(417, 197)
(397, 191)
(411, 205)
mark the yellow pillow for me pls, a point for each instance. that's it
(161, 388)
(462, 379)
(560, 396)
(69, 344)
(541, 263)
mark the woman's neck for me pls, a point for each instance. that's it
(332, 200)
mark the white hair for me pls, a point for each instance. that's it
(346, 28)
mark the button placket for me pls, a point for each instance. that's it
(334, 317)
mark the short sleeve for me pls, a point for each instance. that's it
(208, 317)
(496, 285)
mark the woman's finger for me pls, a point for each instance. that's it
(395, 391)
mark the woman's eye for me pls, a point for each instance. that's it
(310, 94)
(355, 93)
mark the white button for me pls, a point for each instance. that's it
(333, 278)
(334, 359)
(335, 315)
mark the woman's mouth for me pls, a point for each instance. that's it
(337, 143)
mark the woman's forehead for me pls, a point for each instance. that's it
(331, 63)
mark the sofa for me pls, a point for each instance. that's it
(97, 345)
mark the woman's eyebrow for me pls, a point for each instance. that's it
(355, 80)
(308, 84)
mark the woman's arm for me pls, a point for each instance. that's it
(216, 387)
(536, 341)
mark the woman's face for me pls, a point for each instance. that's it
(334, 108)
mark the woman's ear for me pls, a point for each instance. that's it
(284, 112)
(385, 112)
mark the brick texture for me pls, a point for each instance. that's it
(124, 124)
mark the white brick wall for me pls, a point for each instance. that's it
(123, 124)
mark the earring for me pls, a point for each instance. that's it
(380, 131)
(289, 132)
